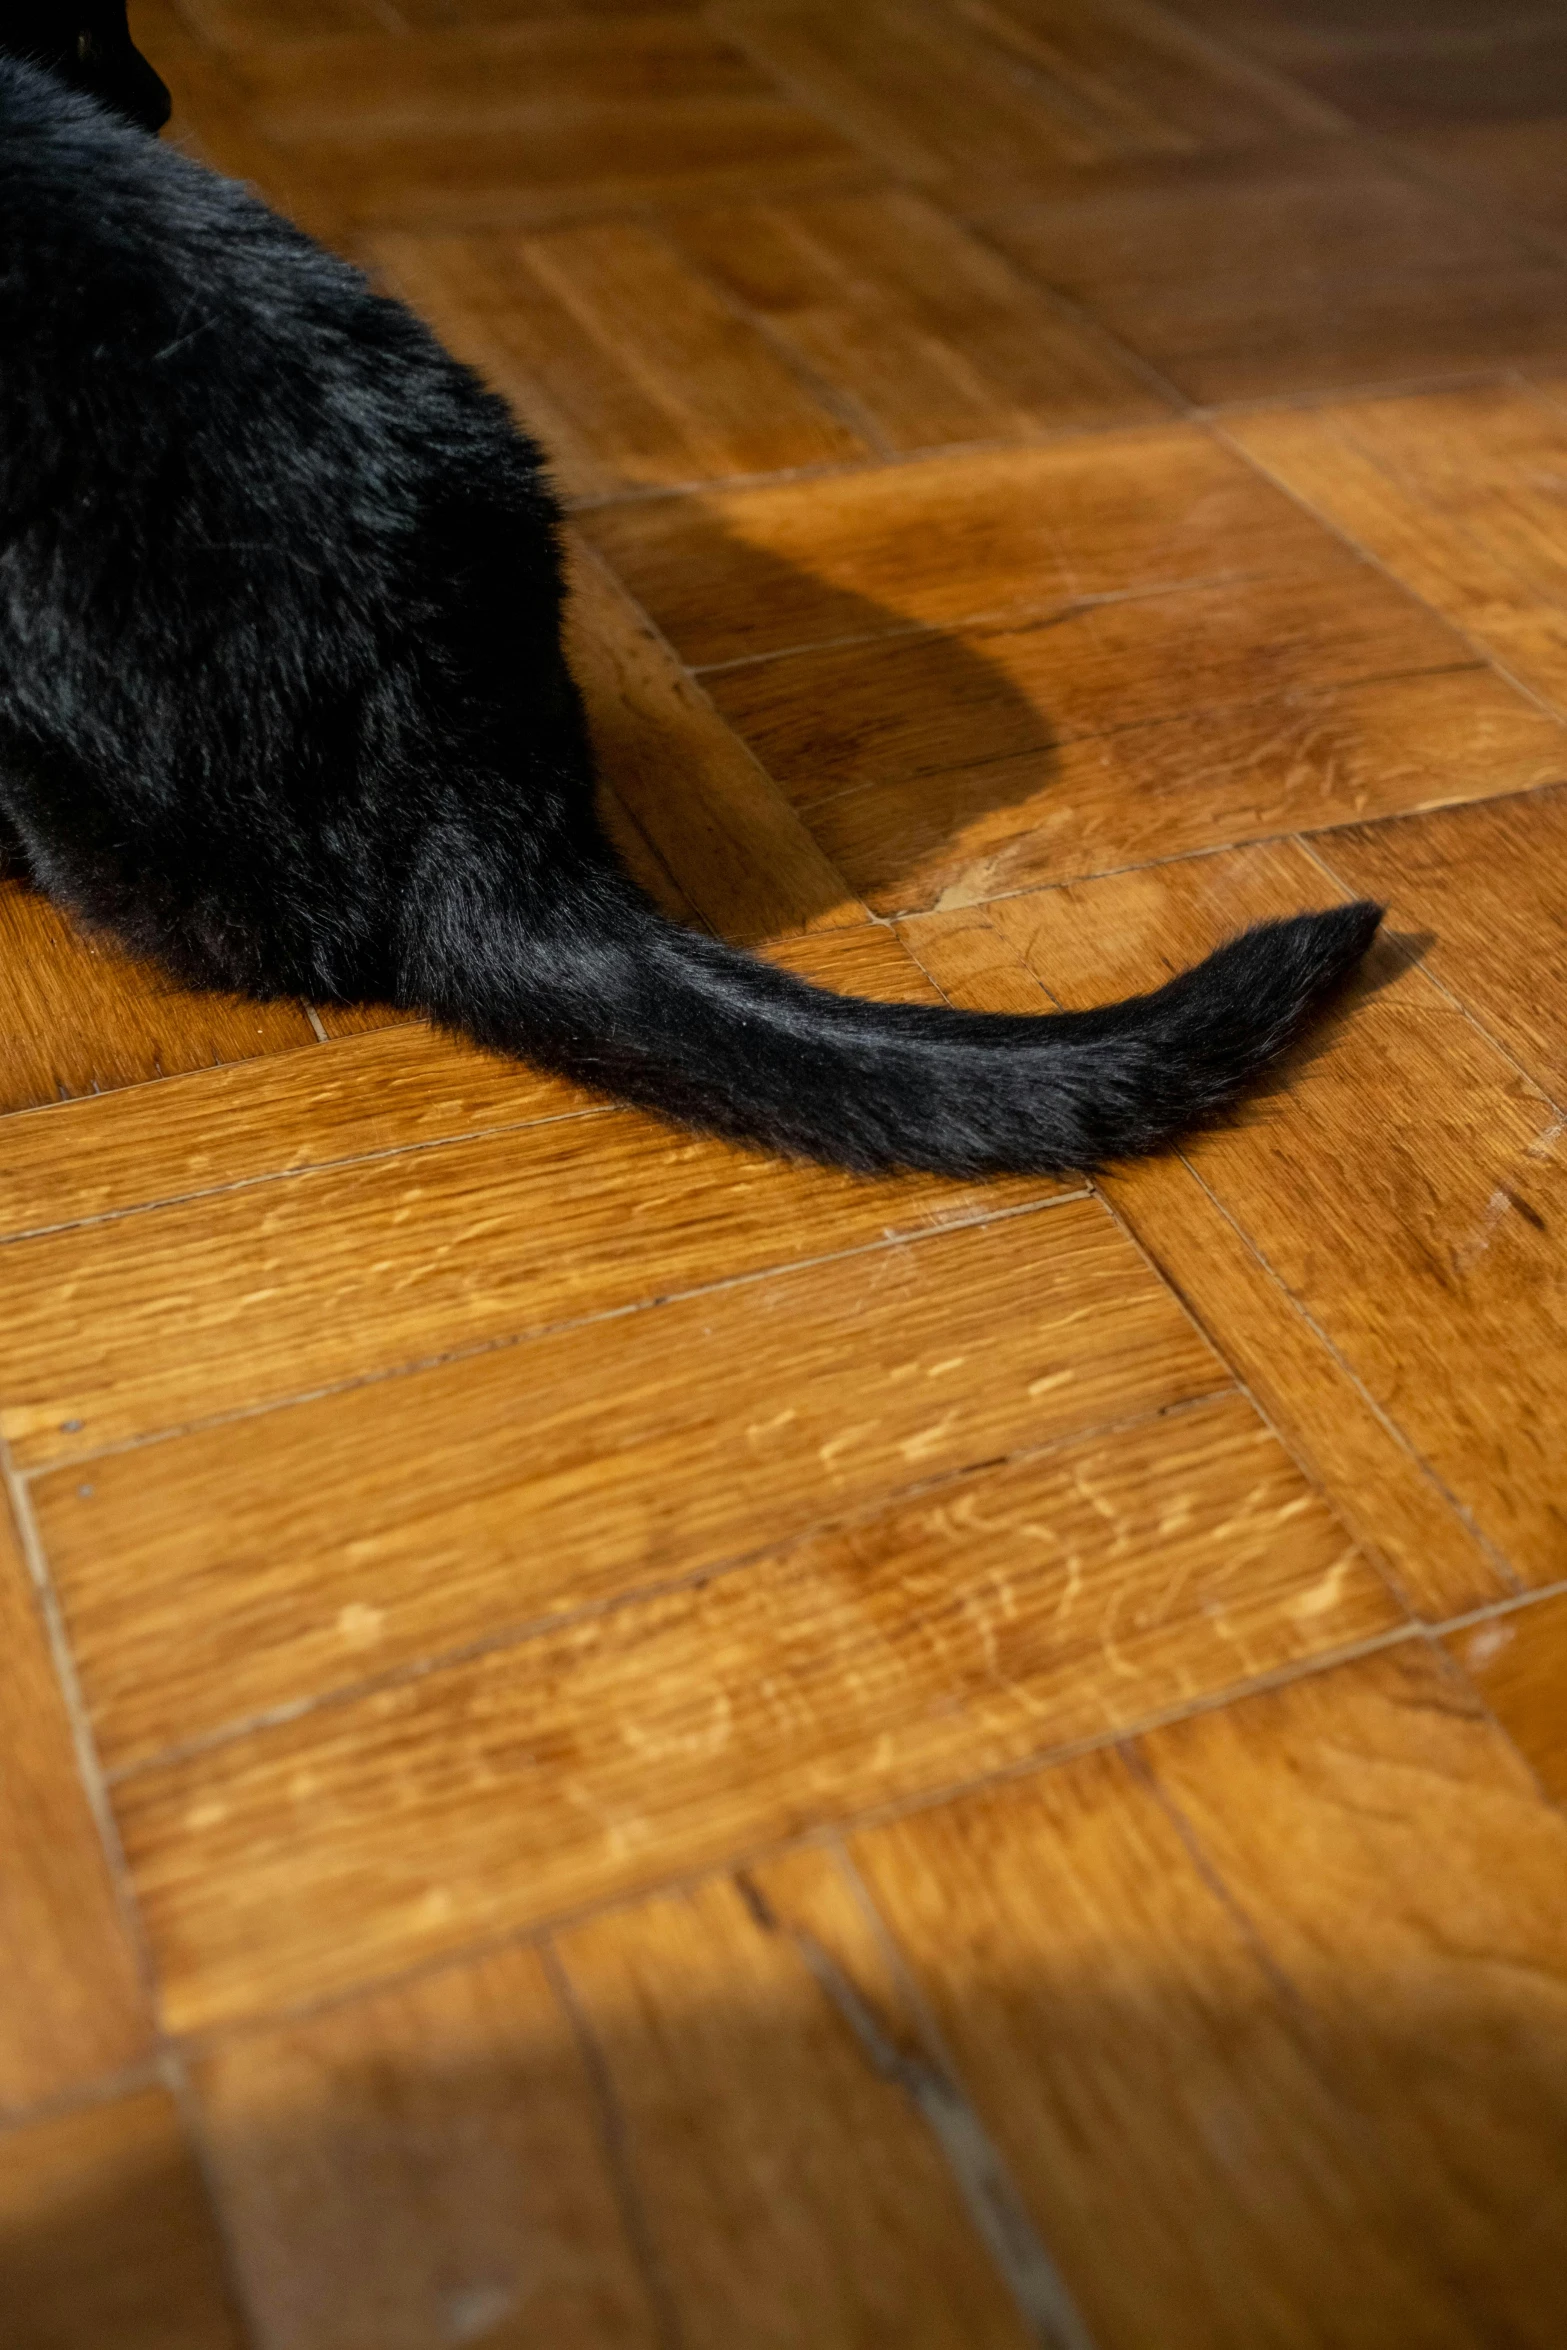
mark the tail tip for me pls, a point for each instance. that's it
(1354, 927)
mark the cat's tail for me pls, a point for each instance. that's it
(604, 989)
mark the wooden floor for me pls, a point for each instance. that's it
(610, 1745)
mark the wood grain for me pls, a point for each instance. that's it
(83, 1019)
(1299, 30)
(968, 100)
(1415, 1235)
(957, 767)
(1458, 494)
(1243, 276)
(829, 721)
(1485, 883)
(1303, 219)
(238, 1572)
(1515, 1662)
(911, 1651)
(525, 123)
(331, 1274)
(1513, 75)
(423, 2167)
(1368, 1773)
(794, 2195)
(1241, 346)
(725, 831)
(1300, 761)
(105, 2235)
(73, 2007)
(237, 23)
(1103, 2007)
(460, 80)
(618, 355)
(1511, 164)
(390, 1089)
(1381, 1488)
(1222, 1985)
(924, 331)
(1008, 536)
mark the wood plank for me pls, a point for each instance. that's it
(1455, 493)
(462, 79)
(736, 847)
(1250, 346)
(423, 2167)
(1486, 883)
(616, 354)
(1243, 277)
(1006, 535)
(247, 1296)
(1161, 88)
(959, 766)
(912, 1651)
(1288, 31)
(1120, 2035)
(1385, 1493)
(232, 24)
(1380, 1488)
(433, 15)
(1299, 761)
(563, 163)
(392, 1088)
(641, 859)
(73, 2007)
(1515, 1662)
(238, 1572)
(793, 2193)
(967, 100)
(1227, 1988)
(928, 333)
(1354, 1782)
(838, 718)
(394, 1085)
(1503, 77)
(82, 1018)
(105, 2236)
(813, 1896)
(1515, 163)
(1376, 1179)
(918, 91)
(360, 1019)
(239, 23)
(510, 124)
(1302, 216)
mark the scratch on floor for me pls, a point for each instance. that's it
(981, 2177)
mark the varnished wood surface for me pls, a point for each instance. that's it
(610, 1745)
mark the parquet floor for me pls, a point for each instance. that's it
(609, 1745)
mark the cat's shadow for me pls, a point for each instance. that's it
(847, 701)
(928, 794)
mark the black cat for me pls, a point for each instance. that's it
(283, 705)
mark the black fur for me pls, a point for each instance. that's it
(282, 705)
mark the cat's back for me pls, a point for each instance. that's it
(161, 320)
(107, 237)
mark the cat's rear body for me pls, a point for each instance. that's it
(283, 705)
